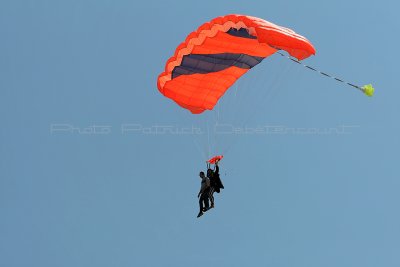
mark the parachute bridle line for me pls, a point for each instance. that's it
(366, 89)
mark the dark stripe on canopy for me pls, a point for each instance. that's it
(199, 63)
(242, 32)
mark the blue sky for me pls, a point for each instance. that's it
(98, 196)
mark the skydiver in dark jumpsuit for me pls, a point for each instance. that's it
(215, 182)
(204, 194)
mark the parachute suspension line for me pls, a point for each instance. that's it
(184, 117)
(235, 101)
(270, 85)
(248, 92)
(208, 140)
(226, 110)
(230, 101)
(270, 88)
(216, 121)
(218, 109)
(367, 89)
(199, 149)
(214, 117)
(236, 89)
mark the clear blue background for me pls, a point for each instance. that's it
(70, 199)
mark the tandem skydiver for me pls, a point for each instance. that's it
(204, 194)
(215, 182)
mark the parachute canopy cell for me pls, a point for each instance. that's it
(218, 53)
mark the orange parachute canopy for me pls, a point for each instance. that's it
(218, 53)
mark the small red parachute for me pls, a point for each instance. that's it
(214, 159)
(218, 53)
